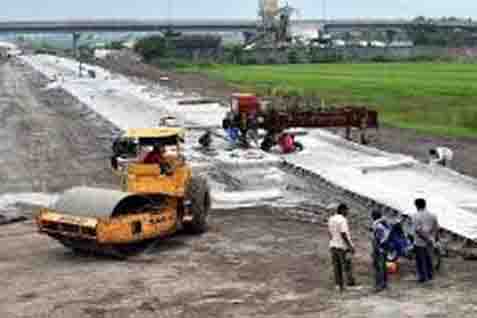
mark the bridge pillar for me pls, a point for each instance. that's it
(249, 36)
(76, 37)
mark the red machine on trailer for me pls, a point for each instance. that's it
(248, 114)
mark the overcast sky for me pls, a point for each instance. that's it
(63, 9)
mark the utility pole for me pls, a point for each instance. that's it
(169, 13)
(324, 10)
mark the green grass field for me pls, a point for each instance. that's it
(434, 98)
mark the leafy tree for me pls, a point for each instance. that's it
(115, 45)
(293, 57)
(420, 19)
(152, 47)
(236, 53)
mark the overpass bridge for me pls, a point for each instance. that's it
(383, 25)
(204, 25)
(76, 27)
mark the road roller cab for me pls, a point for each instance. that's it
(155, 200)
(169, 176)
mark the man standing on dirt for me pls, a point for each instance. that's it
(380, 234)
(427, 228)
(341, 247)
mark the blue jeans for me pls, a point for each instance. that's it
(423, 263)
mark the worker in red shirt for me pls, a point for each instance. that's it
(156, 156)
(286, 143)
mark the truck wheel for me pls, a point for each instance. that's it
(198, 198)
(299, 146)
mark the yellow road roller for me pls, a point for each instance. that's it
(159, 195)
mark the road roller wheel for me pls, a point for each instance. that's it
(198, 197)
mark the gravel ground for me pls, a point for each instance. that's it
(52, 141)
(252, 262)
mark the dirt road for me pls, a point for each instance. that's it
(251, 263)
(52, 141)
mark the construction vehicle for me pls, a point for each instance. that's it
(153, 202)
(248, 114)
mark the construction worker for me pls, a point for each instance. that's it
(206, 140)
(288, 144)
(230, 127)
(426, 234)
(380, 233)
(268, 141)
(157, 156)
(441, 156)
(341, 247)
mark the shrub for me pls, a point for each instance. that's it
(381, 59)
(115, 45)
(249, 60)
(236, 53)
(315, 57)
(423, 58)
(169, 63)
(293, 57)
(271, 60)
(152, 47)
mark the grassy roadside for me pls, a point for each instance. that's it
(437, 98)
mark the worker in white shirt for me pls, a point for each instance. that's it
(341, 247)
(441, 156)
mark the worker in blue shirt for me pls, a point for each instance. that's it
(380, 231)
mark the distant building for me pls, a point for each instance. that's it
(197, 46)
(358, 43)
(101, 53)
(339, 43)
(9, 49)
(401, 44)
(129, 44)
(377, 44)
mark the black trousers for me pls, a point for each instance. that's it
(424, 263)
(380, 270)
(342, 265)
